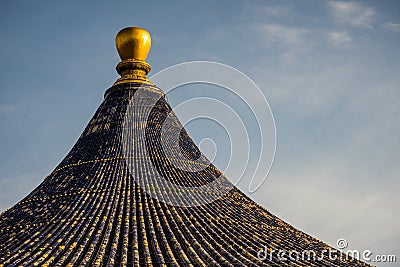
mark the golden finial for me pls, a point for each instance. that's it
(133, 45)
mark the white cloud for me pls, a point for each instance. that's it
(339, 39)
(352, 13)
(392, 26)
(277, 11)
(280, 33)
(323, 192)
(265, 12)
(7, 108)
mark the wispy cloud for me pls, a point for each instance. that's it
(392, 26)
(7, 108)
(266, 12)
(277, 11)
(339, 39)
(309, 185)
(352, 13)
(280, 33)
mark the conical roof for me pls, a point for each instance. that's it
(133, 191)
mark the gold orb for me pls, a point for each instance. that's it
(133, 43)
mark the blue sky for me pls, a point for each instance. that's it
(329, 69)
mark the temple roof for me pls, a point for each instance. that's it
(127, 194)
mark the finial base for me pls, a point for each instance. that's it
(132, 70)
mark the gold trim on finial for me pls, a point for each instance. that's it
(133, 45)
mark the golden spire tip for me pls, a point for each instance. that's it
(133, 45)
